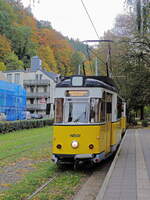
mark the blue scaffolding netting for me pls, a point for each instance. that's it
(12, 101)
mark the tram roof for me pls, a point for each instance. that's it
(90, 81)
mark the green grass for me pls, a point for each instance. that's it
(34, 145)
(24, 144)
(62, 188)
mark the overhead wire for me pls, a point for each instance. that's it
(83, 4)
(90, 19)
(99, 40)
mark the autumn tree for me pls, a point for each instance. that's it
(77, 60)
(7, 17)
(12, 62)
(22, 45)
(47, 57)
(130, 52)
(2, 66)
(5, 47)
(28, 37)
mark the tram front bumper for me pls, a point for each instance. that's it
(68, 159)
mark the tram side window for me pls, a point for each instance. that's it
(119, 108)
(95, 110)
(103, 108)
(59, 110)
(108, 103)
(103, 111)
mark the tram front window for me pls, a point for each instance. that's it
(76, 112)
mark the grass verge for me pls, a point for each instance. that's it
(34, 146)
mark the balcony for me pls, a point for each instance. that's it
(38, 94)
(36, 107)
(36, 82)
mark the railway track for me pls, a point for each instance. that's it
(94, 179)
(41, 188)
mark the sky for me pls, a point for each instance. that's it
(70, 18)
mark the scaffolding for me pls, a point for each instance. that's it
(12, 101)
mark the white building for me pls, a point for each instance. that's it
(39, 85)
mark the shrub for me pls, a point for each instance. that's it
(6, 127)
(145, 123)
(133, 122)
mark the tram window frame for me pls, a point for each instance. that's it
(95, 110)
(59, 102)
(68, 102)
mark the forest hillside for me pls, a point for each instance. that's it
(22, 36)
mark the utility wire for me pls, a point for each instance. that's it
(109, 53)
(90, 19)
(94, 53)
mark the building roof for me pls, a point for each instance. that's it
(10, 71)
(51, 75)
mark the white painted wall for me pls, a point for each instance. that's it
(26, 75)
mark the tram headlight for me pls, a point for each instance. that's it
(75, 144)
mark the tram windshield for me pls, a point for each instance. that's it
(80, 110)
(76, 112)
(71, 111)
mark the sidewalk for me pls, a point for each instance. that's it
(130, 178)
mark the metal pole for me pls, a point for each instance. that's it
(96, 67)
(79, 69)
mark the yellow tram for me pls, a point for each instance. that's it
(90, 119)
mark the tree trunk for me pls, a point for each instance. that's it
(142, 112)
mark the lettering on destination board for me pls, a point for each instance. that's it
(74, 135)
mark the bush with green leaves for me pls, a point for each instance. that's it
(6, 127)
(145, 123)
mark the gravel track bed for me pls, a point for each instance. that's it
(91, 187)
(13, 173)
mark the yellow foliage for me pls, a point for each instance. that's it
(5, 47)
(47, 57)
(2, 66)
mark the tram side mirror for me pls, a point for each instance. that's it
(109, 107)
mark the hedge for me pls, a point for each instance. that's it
(6, 127)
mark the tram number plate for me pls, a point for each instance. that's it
(74, 135)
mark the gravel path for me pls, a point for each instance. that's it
(13, 173)
(91, 187)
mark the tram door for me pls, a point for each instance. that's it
(108, 100)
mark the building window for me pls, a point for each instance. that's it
(17, 78)
(9, 77)
(32, 89)
(45, 89)
(31, 101)
(40, 76)
(36, 76)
